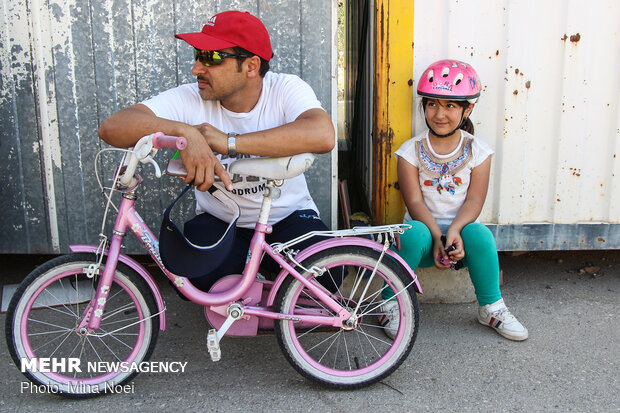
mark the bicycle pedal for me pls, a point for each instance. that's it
(213, 346)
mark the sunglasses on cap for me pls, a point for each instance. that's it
(215, 57)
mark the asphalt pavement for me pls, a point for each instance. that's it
(569, 301)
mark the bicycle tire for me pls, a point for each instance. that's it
(325, 356)
(47, 308)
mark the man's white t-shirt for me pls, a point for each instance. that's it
(444, 179)
(283, 98)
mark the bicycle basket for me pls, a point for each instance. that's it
(184, 258)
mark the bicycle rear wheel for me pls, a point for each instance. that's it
(44, 315)
(352, 357)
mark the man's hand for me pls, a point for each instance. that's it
(217, 140)
(312, 131)
(201, 163)
(125, 127)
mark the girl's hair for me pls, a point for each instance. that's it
(467, 125)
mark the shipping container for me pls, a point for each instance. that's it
(549, 109)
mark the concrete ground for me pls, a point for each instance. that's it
(571, 361)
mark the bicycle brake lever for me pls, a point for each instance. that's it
(155, 165)
(144, 149)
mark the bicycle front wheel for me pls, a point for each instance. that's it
(361, 353)
(43, 319)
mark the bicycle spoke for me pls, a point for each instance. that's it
(372, 303)
(64, 330)
(338, 292)
(81, 355)
(66, 336)
(369, 336)
(47, 307)
(80, 341)
(337, 336)
(361, 332)
(47, 290)
(323, 341)
(357, 281)
(112, 336)
(109, 349)
(309, 331)
(377, 326)
(307, 294)
(121, 321)
(48, 324)
(109, 314)
(110, 298)
(359, 340)
(77, 295)
(346, 350)
(93, 349)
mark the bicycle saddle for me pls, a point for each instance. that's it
(284, 167)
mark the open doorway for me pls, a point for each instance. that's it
(355, 100)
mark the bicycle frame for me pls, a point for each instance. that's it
(129, 218)
(339, 339)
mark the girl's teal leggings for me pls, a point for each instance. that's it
(416, 247)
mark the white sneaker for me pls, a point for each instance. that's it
(497, 316)
(389, 320)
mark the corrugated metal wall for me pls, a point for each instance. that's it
(68, 64)
(550, 108)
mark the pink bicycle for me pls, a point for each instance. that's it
(96, 305)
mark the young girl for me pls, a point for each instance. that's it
(444, 175)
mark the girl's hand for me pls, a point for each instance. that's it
(454, 238)
(438, 252)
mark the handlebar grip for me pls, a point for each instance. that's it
(164, 141)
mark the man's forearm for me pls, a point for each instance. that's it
(311, 133)
(125, 127)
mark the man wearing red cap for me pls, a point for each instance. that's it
(236, 108)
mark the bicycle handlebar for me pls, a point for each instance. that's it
(145, 149)
(164, 141)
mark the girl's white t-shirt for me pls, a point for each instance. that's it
(444, 179)
(283, 98)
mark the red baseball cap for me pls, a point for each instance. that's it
(230, 29)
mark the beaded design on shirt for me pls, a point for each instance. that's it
(443, 171)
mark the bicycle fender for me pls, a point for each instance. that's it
(331, 243)
(134, 265)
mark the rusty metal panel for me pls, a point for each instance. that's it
(550, 108)
(67, 65)
(532, 237)
(392, 103)
(21, 170)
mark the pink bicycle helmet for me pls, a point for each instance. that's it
(450, 79)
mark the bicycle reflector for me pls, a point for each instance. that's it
(186, 259)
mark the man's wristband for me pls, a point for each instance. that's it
(232, 144)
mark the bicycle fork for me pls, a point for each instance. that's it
(93, 313)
